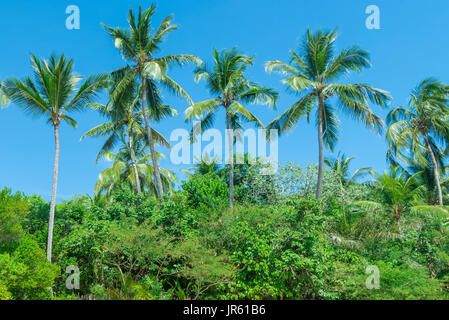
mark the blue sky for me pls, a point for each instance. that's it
(411, 45)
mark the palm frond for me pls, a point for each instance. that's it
(291, 116)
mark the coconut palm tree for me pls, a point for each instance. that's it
(422, 128)
(398, 192)
(203, 166)
(54, 94)
(340, 166)
(426, 179)
(138, 46)
(124, 116)
(312, 74)
(227, 82)
(122, 169)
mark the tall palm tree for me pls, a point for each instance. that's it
(226, 80)
(340, 165)
(313, 73)
(421, 128)
(122, 169)
(138, 46)
(54, 93)
(124, 116)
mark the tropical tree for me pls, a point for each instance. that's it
(426, 179)
(312, 74)
(421, 129)
(3, 96)
(340, 165)
(55, 93)
(138, 46)
(397, 193)
(122, 170)
(227, 81)
(203, 166)
(124, 116)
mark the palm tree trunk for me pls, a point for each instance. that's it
(435, 172)
(133, 162)
(53, 195)
(157, 174)
(231, 159)
(320, 148)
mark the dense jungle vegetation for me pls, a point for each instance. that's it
(277, 242)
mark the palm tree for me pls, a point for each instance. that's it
(426, 179)
(226, 80)
(123, 116)
(138, 46)
(3, 95)
(122, 169)
(419, 129)
(398, 192)
(340, 166)
(312, 75)
(54, 93)
(203, 166)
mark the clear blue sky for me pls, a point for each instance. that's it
(411, 45)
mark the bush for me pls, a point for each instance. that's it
(403, 282)
(13, 211)
(207, 190)
(26, 273)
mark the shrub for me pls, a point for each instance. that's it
(207, 190)
(26, 273)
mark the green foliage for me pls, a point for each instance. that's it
(206, 190)
(278, 242)
(4, 293)
(26, 273)
(280, 252)
(13, 211)
(396, 283)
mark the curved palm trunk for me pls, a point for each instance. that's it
(320, 148)
(157, 174)
(231, 159)
(435, 172)
(133, 162)
(53, 195)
